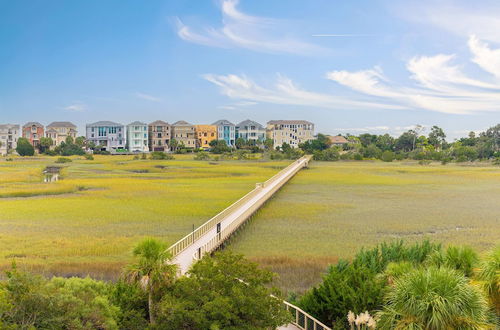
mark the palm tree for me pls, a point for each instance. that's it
(489, 275)
(434, 298)
(152, 271)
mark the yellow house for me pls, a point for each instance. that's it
(205, 134)
(58, 131)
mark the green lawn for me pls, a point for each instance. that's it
(88, 222)
(333, 209)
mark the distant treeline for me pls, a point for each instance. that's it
(410, 145)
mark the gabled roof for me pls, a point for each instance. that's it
(159, 123)
(289, 122)
(223, 122)
(249, 122)
(104, 123)
(33, 123)
(137, 123)
(181, 123)
(50, 130)
(338, 139)
(61, 124)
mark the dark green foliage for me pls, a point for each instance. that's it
(319, 144)
(387, 156)
(88, 157)
(380, 256)
(461, 258)
(330, 154)
(219, 146)
(434, 299)
(133, 304)
(223, 292)
(357, 286)
(24, 147)
(344, 288)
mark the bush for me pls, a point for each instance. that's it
(160, 155)
(62, 160)
(88, 157)
(24, 147)
(434, 298)
(387, 156)
(358, 156)
(330, 154)
(202, 155)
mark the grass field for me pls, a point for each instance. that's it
(333, 209)
(88, 222)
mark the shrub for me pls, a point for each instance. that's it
(344, 288)
(461, 258)
(62, 160)
(160, 155)
(202, 155)
(387, 156)
(24, 147)
(88, 157)
(358, 156)
(489, 275)
(434, 298)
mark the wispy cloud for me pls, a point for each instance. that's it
(284, 91)
(439, 85)
(240, 30)
(148, 97)
(460, 18)
(75, 107)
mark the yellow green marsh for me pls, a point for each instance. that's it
(332, 210)
(88, 222)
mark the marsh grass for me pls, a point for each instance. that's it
(332, 210)
(87, 222)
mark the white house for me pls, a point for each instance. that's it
(107, 135)
(137, 137)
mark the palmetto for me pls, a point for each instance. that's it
(152, 270)
(434, 298)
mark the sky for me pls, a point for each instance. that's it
(364, 66)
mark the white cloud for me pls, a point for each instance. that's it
(438, 84)
(240, 30)
(286, 92)
(147, 97)
(459, 18)
(75, 107)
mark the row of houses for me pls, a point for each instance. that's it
(34, 131)
(160, 135)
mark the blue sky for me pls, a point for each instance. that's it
(375, 66)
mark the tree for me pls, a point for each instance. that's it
(174, 144)
(223, 292)
(152, 271)
(434, 298)
(406, 141)
(24, 147)
(321, 143)
(240, 143)
(268, 144)
(69, 140)
(219, 146)
(385, 142)
(80, 141)
(45, 144)
(437, 137)
(460, 258)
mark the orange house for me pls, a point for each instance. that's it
(204, 135)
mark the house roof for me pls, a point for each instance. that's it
(159, 123)
(61, 124)
(104, 123)
(223, 122)
(338, 139)
(249, 122)
(33, 123)
(137, 123)
(181, 123)
(289, 122)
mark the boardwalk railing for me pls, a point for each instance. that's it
(189, 239)
(303, 320)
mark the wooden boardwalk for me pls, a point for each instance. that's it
(215, 231)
